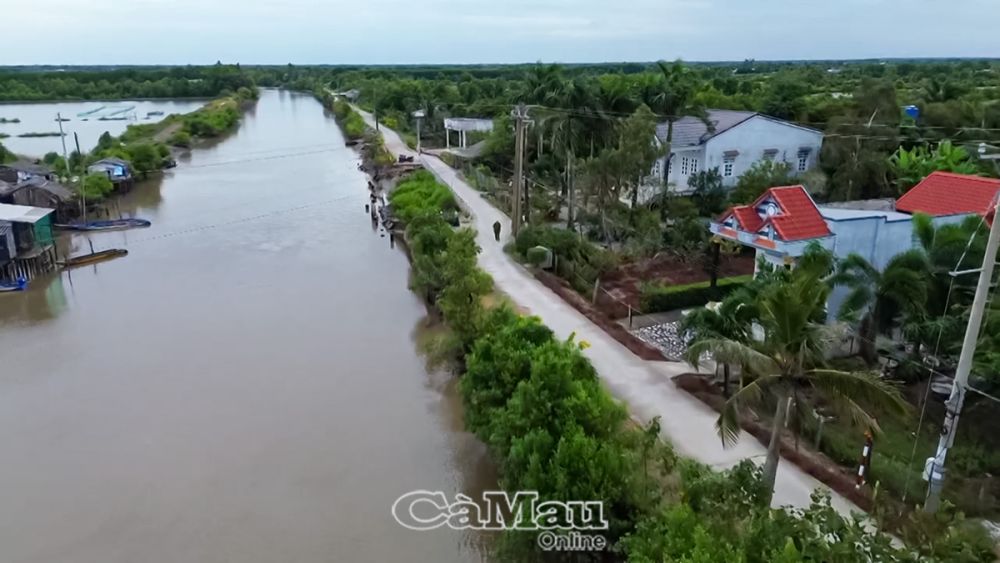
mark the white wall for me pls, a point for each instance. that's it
(752, 137)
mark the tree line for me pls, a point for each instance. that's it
(124, 83)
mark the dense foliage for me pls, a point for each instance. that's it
(536, 401)
(123, 83)
(859, 106)
(421, 194)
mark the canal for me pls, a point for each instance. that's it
(244, 386)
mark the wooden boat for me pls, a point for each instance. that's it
(94, 257)
(112, 225)
(20, 285)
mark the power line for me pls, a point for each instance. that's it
(608, 114)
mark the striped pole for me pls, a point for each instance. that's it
(866, 461)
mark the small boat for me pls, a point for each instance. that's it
(153, 113)
(20, 284)
(94, 257)
(111, 225)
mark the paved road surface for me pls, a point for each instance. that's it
(644, 386)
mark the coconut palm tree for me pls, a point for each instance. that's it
(674, 99)
(877, 298)
(732, 319)
(787, 366)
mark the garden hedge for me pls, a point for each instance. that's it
(658, 298)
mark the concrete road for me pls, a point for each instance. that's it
(644, 386)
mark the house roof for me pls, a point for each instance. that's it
(748, 218)
(112, 161)
(841, 214)
(800, 218)
(39, 182)
(28, 166)
(883, 204)
(690, 131)
(945, 193)
(22, 213)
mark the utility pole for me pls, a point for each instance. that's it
(520, 115)
(934, 471)
(83, 178)
(62, 137)
(419, 114)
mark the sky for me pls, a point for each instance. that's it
(66, 32)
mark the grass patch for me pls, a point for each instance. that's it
(421, 194)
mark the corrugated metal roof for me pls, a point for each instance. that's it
(22, 213)
(54, 188)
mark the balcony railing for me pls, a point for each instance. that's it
(791, 248)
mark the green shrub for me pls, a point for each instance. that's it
(354, 125)
(658, 298)
(180, 138)
(537, 255)
(577, 261)
(212, 120)
(97, 186)
(421, 194)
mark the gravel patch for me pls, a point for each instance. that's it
(666, 338)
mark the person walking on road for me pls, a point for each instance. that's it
(496, 230)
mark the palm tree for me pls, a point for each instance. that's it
(879, 298)
(674, 100)
(569, 126)
(732, 320)
(788, 362)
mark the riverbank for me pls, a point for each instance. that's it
(645, 386)
(654, 401)
(151, 147)
(245, 386)
(537, 402)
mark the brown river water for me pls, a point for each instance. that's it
(244, 386)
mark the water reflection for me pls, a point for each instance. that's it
(44, 300)
(40, 117)
(243, 386)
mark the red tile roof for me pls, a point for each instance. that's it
(945, 193)
(748, 218)
(800, 219)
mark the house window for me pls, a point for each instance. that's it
(694, 165)
(727, 166)
(684, 165)
(656, 169)
(803, 160)
(770, 154)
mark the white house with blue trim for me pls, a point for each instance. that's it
(732, 141)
